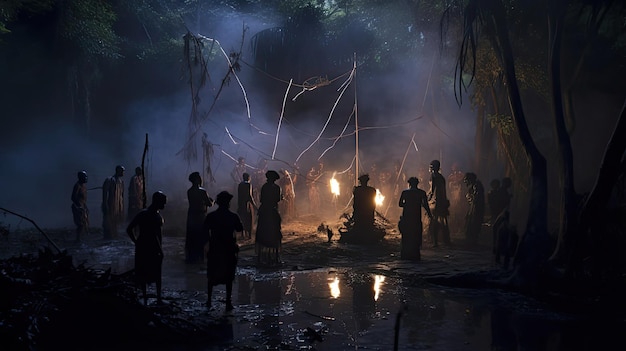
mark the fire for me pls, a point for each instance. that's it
(380, 198)
(334, 186)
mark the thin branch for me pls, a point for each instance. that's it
(345, 86)
(280, 120)
(36, 226)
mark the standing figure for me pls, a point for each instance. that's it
(135, 193)
(268, 229)
(221, 226)
(364, 204)
(80, 212)
(456, 196)
(504, 238)
(437, 195)
(412, 200)
(149, 245)
(312, 177)
(496, 200)
(475, 213)
(199, 201)
(113, 203)
(245, 205)
(287, 205)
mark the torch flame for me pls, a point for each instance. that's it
(334, 186)
(379, 198)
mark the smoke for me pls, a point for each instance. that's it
(401, 111)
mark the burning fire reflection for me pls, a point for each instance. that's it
(379, 198)
(334, 288)
(378, 282)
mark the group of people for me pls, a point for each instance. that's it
(113, 214)
(437, 207)
(212, 236)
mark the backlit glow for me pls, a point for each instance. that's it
(334, 186)
(380, 198)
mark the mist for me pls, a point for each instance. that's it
(401, 111)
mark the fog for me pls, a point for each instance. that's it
(44, 152)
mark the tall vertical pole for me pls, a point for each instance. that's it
(356, 125)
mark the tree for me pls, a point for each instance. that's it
(489, 19)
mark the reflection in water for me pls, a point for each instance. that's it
(244, 289)
(268, 292)
(434, 319)
(334, 288)
(378, 282)
(363, 303)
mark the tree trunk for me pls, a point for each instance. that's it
(567, 203)
(533, 249)
(595, 204)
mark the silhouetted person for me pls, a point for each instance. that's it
(497, 200)
(412, 200)
(312, 177)
(505, 239)
(245, 204)
(135, 193)
(268, 229)
(148, 245)
(364, 203)
(113, 203)
(80, 212)
(287, 205)
(456, 196)
(441, 209)
(475, 213)
(221, 226)
(199, 201)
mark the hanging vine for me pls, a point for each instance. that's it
(198, 51)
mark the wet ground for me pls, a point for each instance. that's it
(335, 296)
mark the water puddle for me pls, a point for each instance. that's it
(332, 309)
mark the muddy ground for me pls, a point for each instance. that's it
(322, 296)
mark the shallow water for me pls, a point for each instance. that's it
(357, 305)
(361, 311)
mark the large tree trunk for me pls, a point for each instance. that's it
(568, 199)
(596, 203)
(533, 249)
